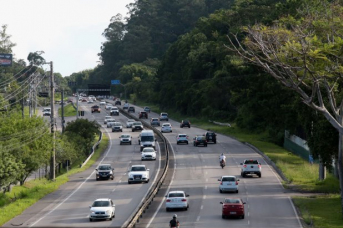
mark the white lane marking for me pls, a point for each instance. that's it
(206, 172)
(119, 181)
(204, 197)
(113, 190)
(124, 173)
(202, 207)
(295, 211)
(58, 205)
(198, 218)
(206, 187)
(248, 222)
(206, 180)
(171, 182)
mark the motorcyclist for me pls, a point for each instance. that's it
(222, 158)
(174, 223)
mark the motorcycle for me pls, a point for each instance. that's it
(222, 164)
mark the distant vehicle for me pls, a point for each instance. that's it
(125, 139)
(92, 97)
(104, 171)
(131, 109)
(102, 209)
(47, 112)
(146, 139)
(233, 207)
(199, 140)
(110, 122)
(181, 138)
(107, 118)
(117, 126)
(90, 101)
(129, 123)
(228, 184)
(148, 153)
(83, 100)
(250, 167)
(138, 173)
(164, 116)
(102, 102)
(126, 106)
(155, 122)
(137, 126)
(114, 111)
(166, 127)
(177, 200)
(142, 115)
(96, 108)
(117, 103)
(185, 123)
(211, 137)
(146, 109)
(108, 106)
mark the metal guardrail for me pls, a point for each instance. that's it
(154, 190)
(93, 149)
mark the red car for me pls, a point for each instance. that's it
(233, 207)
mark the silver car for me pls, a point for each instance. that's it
(228, 184)
(102, 209)
(110, 122)
(129, 123)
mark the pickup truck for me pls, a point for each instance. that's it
(250, 167)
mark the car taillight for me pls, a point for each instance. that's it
(183, 200)
(221, 183)
(168, 200)
(259, 166)
(244, 166)
(236, 182)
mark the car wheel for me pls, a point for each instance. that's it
(186, 209)
(214, 142)
(112, 130)
(223, 216)
(121, 144)
(112, 178)
(132, 130)
(121, 130)
(260, 175)
(97, 179)
(114, 215)
(129, 182)
(147, 181)
(167, 209)
(177, 143)
(187, 143)
(130, 143)
(90, 219)
(242, 216)
(242, 174)
(220, 191)
(236, 191)
(205, 145)
(111, 218)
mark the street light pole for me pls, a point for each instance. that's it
(52, 122)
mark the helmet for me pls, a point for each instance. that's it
(222, 154)
(175, 216)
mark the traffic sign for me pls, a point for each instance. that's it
(115, 82)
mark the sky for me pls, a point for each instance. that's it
(68, 31)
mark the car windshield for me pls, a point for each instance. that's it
(125, 136)
(228, 179)
(148, 150)
(110, 120)
(164, 114)
(153, 120)
(46, 110)
(104, 167)
(182, 136)
(147, 138)
(137, 123)
(200, 138)
(101, 204)
(232, 201)
(166, 125)
(130, 120)
(176, 195)
(138, 169)
(117, 124)
(108, 117)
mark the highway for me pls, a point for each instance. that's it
(196, 171)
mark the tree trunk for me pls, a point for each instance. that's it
(340, 167)
(322, 170)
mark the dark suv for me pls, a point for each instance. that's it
(143, 115)
(185, 123)
(131, 109)
(199, 140)
(211, 137)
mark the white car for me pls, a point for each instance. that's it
(182, 138)
(177, 200)
(164, 116)
(125, 139)
(228, 184)
(166, 127)
(102, 209)
(47, 112)
(102, 103)
(92, 97)
(110, 122)
(107, 118)
(129, 123)
(138, 173)
(90, 101)
(148, 153)
(117, 126)
(108, 106)
(114, 111)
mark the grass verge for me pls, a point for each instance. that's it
(22, 197)
(69, 110)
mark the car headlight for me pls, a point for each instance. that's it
(108, 212)
(92, 212)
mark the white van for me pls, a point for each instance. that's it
(147, 139)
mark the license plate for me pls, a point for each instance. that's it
(251, 172)
(137, 178)
(210, 137)
(232, 213)
(228, 183)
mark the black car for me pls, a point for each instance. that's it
(104, 171)
(211, 137)
(117, 103)
(131, 109)
(199, 140)
(143, 114)
(185, 123)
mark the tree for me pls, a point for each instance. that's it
(5, 43)
(35, 58)
(304, 54)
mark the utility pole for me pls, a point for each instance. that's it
(77, 104)
(62, 106)
(52, 119)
